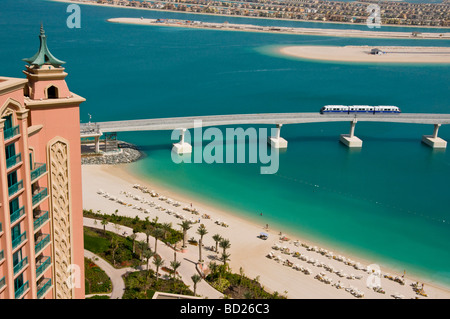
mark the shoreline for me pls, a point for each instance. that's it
(244, 17)
(391, 54)
(346, 33)
(243, 256)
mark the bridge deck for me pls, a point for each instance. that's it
(264, 118)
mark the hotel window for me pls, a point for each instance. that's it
(8, 122)
(12, 179)
(31, 160)
(15, 232)
(18, 282)
(17, 257)
(10, 151)
(14, 205)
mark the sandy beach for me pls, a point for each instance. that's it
(247, 250)
(347, 33)
(389, 54)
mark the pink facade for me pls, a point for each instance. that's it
(41, 218)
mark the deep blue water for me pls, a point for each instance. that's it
(388, 200)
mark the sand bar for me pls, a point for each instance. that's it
(391, 54)
(282, 30)
(247, 250)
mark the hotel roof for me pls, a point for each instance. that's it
(43, 56)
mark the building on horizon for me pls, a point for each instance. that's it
(41, 218)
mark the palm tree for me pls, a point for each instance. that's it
(224, 244)
(158, 262)
(213, 267)
(157, 233)
(217, 238)
(115, 246)
(147, 254)
(148, 233)
(133, 237)
(175, 265)
(142, 246)
(224, 258)
(241, 273)
(166, 227)
(201, 231)
(104, 223)
(196, 279)
(185, 226)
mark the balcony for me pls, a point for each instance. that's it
(20, 265)
(13, 160)
(39, 169)
(41, 193)
(11, 132)
(41, 242)
(13, 189)
(2, 283)
(43, 287)
(21, 291)
(2, 255)
(41, 216)
(17, 241)
(42, 265)
(17, 214)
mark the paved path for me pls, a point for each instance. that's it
(118, 285)
(186, 270)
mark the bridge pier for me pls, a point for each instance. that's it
(350, 140)
(277, 141)
(97, 144)
(433, 140)
(182, 147)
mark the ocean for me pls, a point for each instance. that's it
(388, 201)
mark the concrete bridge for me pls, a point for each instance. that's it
(279, 119)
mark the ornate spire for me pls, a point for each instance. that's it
(43, 56)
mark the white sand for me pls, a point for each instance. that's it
(247, 251)
(394, 54)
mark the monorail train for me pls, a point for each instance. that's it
(359, 109)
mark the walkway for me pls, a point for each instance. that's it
(118, 285)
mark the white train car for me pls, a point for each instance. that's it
(387, 109)
(327, 109)
(334, 109)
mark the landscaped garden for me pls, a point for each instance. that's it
(96, 280)
(122, 251)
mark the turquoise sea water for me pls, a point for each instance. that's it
(388, 201)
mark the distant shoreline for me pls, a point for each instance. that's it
(245, 17)
(388, 54)
(279, 30)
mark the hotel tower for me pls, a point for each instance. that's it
(41, 219)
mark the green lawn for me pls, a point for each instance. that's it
(102, 244)
(93, 242)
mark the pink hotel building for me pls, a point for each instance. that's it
(41, 219)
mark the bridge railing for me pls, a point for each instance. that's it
(89, 128)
